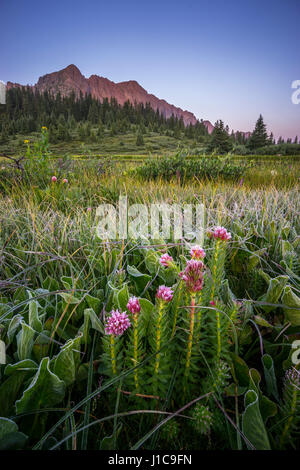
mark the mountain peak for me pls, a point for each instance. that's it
(70, 80)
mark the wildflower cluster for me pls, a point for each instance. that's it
(164, 293)
(219, 233)
(202, 418)
(133, 305)
(166, 260)
(197, 252)
(193, 275)
(117, 323)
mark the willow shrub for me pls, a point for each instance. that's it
(204, 167)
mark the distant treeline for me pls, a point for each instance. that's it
(87, 119)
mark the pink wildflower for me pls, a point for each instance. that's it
(134, 305)
(193, 275)
(164, 293)
(65, 180)
(53, 179)
(212, 302)
(220, 233)
(197, 252)
(89, 209)
(117, 323)
(166, 260)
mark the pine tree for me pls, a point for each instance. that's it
(259, 137)
(220, 141)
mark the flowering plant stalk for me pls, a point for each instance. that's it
(159, 335)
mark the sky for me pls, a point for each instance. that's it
(229, 60)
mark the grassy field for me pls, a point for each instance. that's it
(207, 368)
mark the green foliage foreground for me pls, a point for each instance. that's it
(211, 369)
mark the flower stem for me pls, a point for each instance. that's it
(113, 354)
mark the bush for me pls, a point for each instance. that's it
(204, 167)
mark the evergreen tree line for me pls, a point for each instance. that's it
(27, 111)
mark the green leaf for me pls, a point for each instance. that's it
(25, 340)
(291, 300)
(241, 370)
(274, 292)
(122, 298)
(69, 298)
(93, 302)
(67, 361)
(254, 259)
(140, 280)
(267, 407)
(13, 441)
(152, 261)
(262, 322)
(26, 364)
(95, 321)
(14, 324)
(252, 423)
(7, 426)
(9, 392)
(45, 390)
(34, 320)
(270, 375)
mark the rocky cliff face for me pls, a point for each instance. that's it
(71, 79)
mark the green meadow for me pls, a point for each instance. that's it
(208, 361)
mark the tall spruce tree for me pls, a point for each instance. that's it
(259, 137)
(220, 141)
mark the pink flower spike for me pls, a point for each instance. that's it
(53, 179)
(197, 252)
(165, 293)
(89, 209)
(193, 275)
(212, 302)
(134, 305)
(220, 233)
(65, 180)
(166, 260)
(117, 323)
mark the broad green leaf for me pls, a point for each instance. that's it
(274, 292)
(7, 426)
(34, 320)
(252, 423)
(45, 390)
(25, 340)
(93, 302)
(95, 321)
(241, 370)
(140, 280)
(267, 407)
(13, 441)
(10, 390)
(152, 261)
(25, 365)
(291, 300)
(14, 324)
(254, 259)
(67, 361)
(69, 298)
(270, 375)
(122, 298)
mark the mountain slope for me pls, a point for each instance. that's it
(70, 79)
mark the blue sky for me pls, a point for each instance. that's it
(221, 59)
